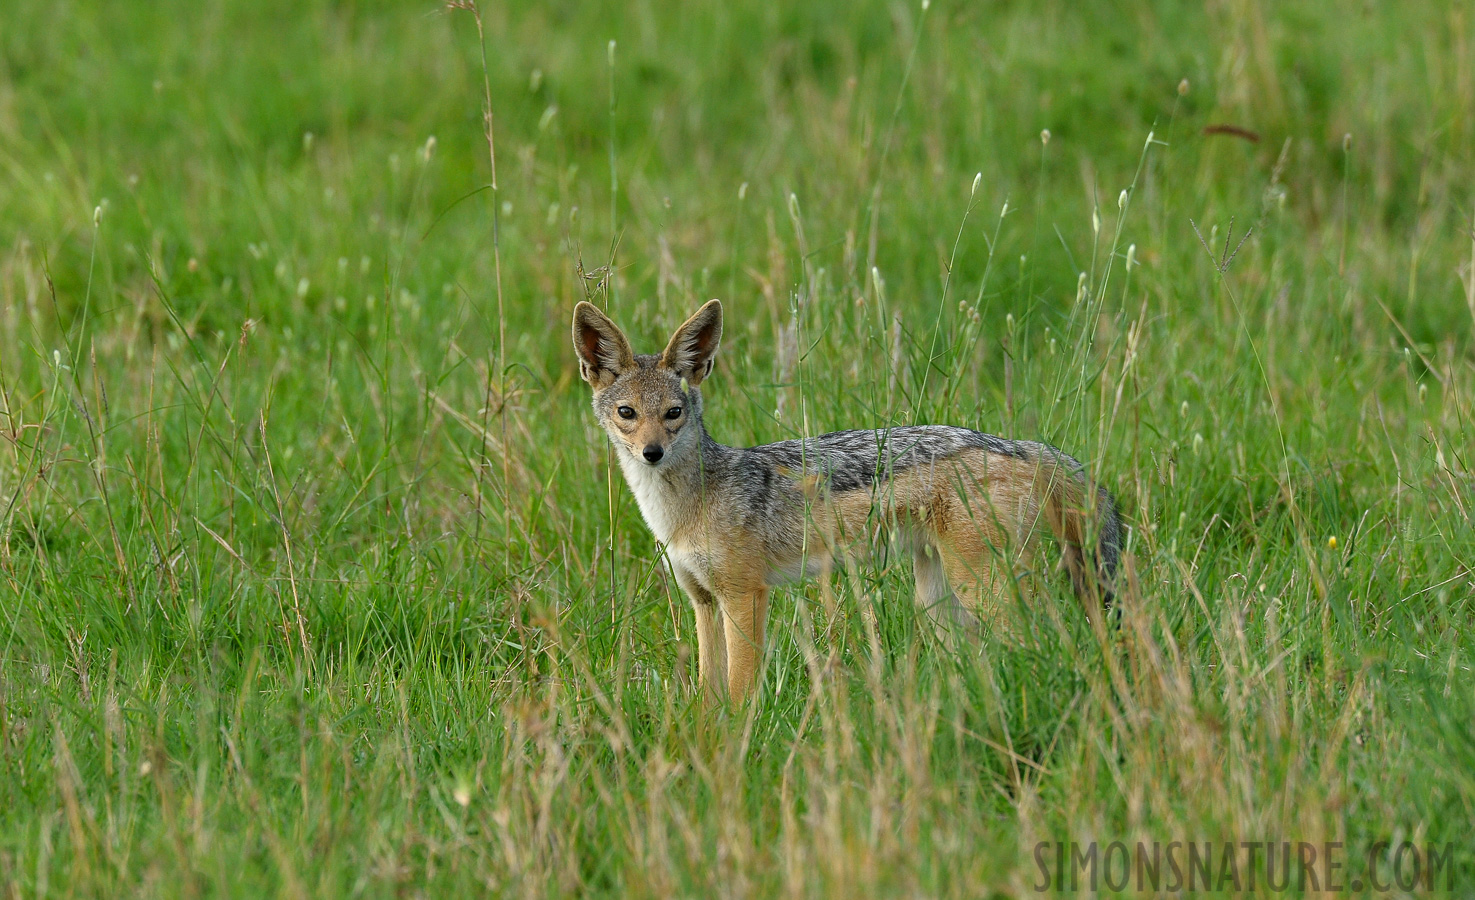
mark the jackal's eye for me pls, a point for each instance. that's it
(626, 412)
(673, 413)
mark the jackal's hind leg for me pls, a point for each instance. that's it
(979, 574)
(935, 595)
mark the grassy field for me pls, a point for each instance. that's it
(316, 579)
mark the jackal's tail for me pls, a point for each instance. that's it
(1084, 519)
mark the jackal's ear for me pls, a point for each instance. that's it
(604, 353)
(693, 347)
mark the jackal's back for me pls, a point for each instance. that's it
(851, 460)
(846, 466)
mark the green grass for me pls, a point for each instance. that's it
(307, 581)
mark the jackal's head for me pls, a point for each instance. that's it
(649, 405)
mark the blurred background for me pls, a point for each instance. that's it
(300, 130)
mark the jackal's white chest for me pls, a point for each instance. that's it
(652, 495)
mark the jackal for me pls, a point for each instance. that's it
(736, 521)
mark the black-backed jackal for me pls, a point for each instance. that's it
(736, 521)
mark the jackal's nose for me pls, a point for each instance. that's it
(653, 453)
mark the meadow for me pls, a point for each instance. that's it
(317, 579)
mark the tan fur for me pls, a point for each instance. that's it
(973, 522)
(972, 516)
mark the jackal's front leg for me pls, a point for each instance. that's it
(744, 614)
(711, 652)
(711, 644)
